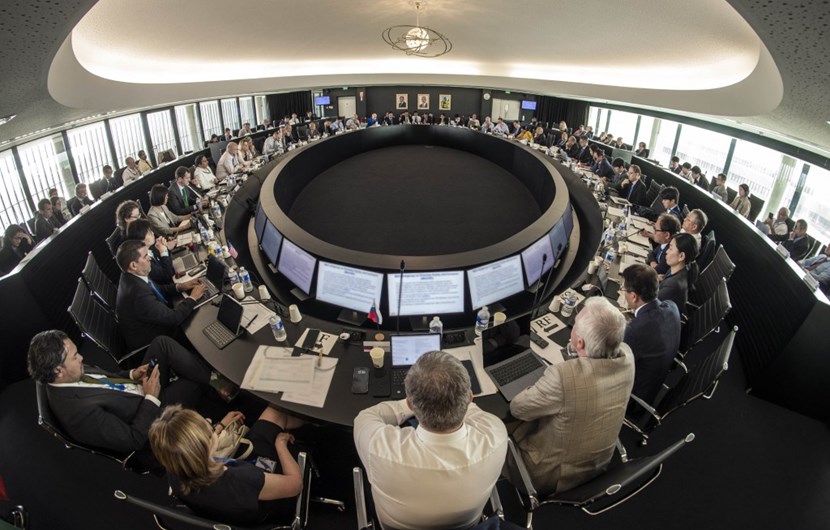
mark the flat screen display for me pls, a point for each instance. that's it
(495, 281)
(558, 239)
(406, 349)
(297, 265)
(259, 223)
(568, 219)
(347, 287)
(534, 261)
(426, 293)
(528, 104)
(322, 100)
(271, 239)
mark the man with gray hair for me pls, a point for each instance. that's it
(572, 416)
(440, 473)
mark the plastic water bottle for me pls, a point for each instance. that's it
(217, 211)
(482, 320)
(277, 328)
(436, 326)
(246, 280)
(569, 303)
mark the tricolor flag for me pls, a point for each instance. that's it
(234, 254)
(374, 313)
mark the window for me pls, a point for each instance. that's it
(593, 118)
(128, 137)
(644, 134)
(188, 122)
(13, 206)
(211, 122)
(262, 109)
(90, 151)
(246, 106)
(230, 114)
(45, 165)
(703, 148)
(756, 166)
(813, 205)
(604, 115)
(622, 125)
(662, 149)
(161, 131)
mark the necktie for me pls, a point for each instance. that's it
(156, 290)
(815, 265)
(186, 198)
(659, 254)
(630, 189)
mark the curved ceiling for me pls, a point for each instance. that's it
(706, 57)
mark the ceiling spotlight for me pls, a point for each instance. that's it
(6, 119)
(417, 40)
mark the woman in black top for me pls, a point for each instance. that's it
(682, 273)
(16, 244)
(231, 491)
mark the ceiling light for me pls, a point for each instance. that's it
(6, 119)
(417, 40)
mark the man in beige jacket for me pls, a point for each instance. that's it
(572, 416)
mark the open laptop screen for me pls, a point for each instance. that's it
(406, 349)
(230, 314)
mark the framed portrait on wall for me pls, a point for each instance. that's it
(423, 101)
(401, 101)
(444, 102)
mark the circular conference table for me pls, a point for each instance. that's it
(315, 179)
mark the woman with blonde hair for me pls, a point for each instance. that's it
(232, 491)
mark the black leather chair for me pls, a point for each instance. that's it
(622, 481)
(119, 176)
(99, 325)
(700, 381)
(99, 285)
(179, 513)
(52, 426)
(707, 250)
(705, 319)
(721, 267)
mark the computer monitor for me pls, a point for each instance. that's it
(528, 104)
(558, 239)
(406, 349)
(426, 293)
(495, 281)
(348, 287)
(625, 154)
(534, 261)
(259, 222)
(322, 100)
(297, 265)
(270, 244)
(568, 219)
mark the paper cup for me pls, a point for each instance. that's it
(499, 318)
(294, 313)
(238, 290)
(555, 304)
(263, 293)
(377, 355)
(592, 267)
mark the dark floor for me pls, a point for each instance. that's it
(753, 465)
(450, 201)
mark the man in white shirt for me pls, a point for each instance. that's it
(131, 172)
(229, 163)
(439, 474)
(501, 128)
(694, 223)
(245, 130)
(272, 143)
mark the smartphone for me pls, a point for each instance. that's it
(770, 215)
(360, 380)
(153, 363)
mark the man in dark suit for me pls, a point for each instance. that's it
(79, 200)
(43, 226)
(670, 196)
(698, 178)
(114, 411)
(584, 155)
(664, 228)
(632, 188)
(798, 245)
(145, 310)
(653, 334)
(601, 166)
(181, 198)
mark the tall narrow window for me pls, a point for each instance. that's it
(128, 136)
(45, 166)
(13, 206)
(161, 131)
(246, 106)
(211, 122)
(230, 113)
(90, 151)
(190, 134)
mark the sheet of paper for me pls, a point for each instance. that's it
(616, 212)
(250, 309)
(274, 370)
(184, 239)
(473, 353)
(327, 339)
(637, 239)
(316, 394)
(637, 250)
(369, 344)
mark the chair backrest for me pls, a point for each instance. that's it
(686, 210)
(707, 252)
(97, 323)
(653, 198)
(721, 267)
(702, 379)
(98, 283)
(814, 246)
(707, 317)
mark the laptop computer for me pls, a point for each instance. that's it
(228, 323)
(406, 349)
(620, 201)
(512, 367)
(212, 280)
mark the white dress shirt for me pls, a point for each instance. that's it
(130, 175)
(226, 166)
(205, 176)
(425, 480)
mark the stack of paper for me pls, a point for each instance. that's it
(304, 379)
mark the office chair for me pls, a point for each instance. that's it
(367, 522)
(701, 381)
(685, 210)
(705, 319)
(621, 482)
(99, 285)
(178, 512)
(99, 325)
(721, 267)
(707, 250)
(51, 425)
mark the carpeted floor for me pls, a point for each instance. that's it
(403, 202)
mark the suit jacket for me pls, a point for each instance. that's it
(142, 316)
(571, 419)
(103, 417)
(702, 182)
(662, 266)
(798, 247)
(654, 337)
(161, 268)
(584, 155)
(76, 203)
(635, 195)
(604, 169)
(43, 228)
(175, 200)
(675, 288)
(160, 218)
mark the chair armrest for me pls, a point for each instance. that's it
(495, 502)
(360, 500)
(520, 478)
(646, 406)
(621, 449)
(300, 510)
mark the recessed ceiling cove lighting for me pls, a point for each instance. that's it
(6, 119)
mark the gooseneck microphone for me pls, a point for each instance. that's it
(400, 293)
(544, 288)
(539, 282)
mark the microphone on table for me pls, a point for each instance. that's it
(536, 297)
(400, 293)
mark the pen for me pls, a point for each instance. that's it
(251, 321)
(320, 359)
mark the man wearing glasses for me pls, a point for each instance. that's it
(666, 226)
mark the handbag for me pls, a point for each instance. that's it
(231, 438)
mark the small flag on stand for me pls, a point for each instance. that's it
(374, 313)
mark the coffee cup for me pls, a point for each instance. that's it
(294, 313)
(555, 304)
(377, 354)
(238, 290)
(263, 293)
(592, 267)
(499, 318)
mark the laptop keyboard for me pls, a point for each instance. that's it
(219, 334)
(210, 289)
(515, 368)
(398, 375)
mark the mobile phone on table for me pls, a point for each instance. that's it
(360, 380)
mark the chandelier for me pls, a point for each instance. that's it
(417, 40)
